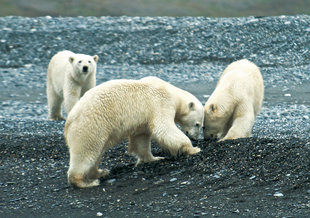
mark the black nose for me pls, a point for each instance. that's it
(85, 69)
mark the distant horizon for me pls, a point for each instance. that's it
(153, 8)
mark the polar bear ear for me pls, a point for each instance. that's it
(71, 59)
(96, 58)
(212, 108)
(191, 106)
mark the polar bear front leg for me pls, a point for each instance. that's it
(140, 146)
(71, 97)
(241, 127)
(173, 139)
(88, 85)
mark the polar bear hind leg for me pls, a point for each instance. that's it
(83, 171)
(140, 146)
(82, 174)
(85, 175)
(54, 102)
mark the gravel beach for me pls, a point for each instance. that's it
(267, 175)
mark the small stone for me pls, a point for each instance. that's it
(173, 179)
(99, 214)
(278, 194)
(10, 183)
(28, 65)
(111, 181)
(158, 182)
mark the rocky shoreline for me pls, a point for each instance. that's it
(265, 175)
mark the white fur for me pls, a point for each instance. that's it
(231, 110)
(69, 76)
(140, 110)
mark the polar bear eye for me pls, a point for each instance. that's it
(89, 62)
(197, 125)
(80, 62)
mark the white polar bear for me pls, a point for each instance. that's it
(231, 110)
(69, 76)
(140, 110)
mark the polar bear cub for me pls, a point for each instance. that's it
(231, 110)
(69, 76)
(140, 110)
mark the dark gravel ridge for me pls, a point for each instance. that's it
(266, 175)
(246, 177)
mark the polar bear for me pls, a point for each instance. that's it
(231, 110)
(139, 110)
(69, 76)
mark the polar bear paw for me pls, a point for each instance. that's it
(140, 161)
(88, 184)
(56, 118)
(191, 150)
(103, 172)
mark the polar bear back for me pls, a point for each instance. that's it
(242, 80)
(115, 104)
(173, 90)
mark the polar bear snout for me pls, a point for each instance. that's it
(209, 134)
(85, 69)
(192, 134)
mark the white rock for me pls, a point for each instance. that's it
(173, 179)
(252, 177)
(278, 194)
(99, 214)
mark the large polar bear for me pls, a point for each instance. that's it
(140, 110)
(69, 76)
(231, 110)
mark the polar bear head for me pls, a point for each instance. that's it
(191, 119)
(215, 120)
(83, 65)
